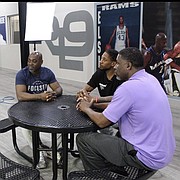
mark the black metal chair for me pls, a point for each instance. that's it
(6, 125)
(10, 170)
(113, 173)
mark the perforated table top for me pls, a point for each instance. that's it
(59, 115)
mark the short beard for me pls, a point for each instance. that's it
(118, 78)
(106, 69)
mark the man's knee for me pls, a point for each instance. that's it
(81, 136)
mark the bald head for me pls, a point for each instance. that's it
(160, 36)
(160, 41)
(34, 62)
(37, 55)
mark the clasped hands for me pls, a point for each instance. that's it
(48, 95)
(84, 100)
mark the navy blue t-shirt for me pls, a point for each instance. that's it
(35, 84)
(156, 64)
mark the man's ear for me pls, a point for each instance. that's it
(113, 63)
(129, 65)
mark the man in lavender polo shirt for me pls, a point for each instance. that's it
(141, 108)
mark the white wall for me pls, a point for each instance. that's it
(10, 54)
(8, 8)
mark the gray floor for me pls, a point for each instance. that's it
(171, 172)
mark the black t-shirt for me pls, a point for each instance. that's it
(105, 86)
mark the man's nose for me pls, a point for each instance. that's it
(30, 62)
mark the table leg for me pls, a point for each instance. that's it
(65, 154)
(54, 155)
(35, 144)
(71, 141)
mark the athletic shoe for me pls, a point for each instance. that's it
(59, 142)
(42, 161)
(49, 155)
(175, 93)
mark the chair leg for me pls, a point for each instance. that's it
(6, 125)
(17, 148)
(74, 153)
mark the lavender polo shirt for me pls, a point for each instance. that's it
(141, 108)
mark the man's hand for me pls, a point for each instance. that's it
(48, 96)
(86, 96)
(81, 93)
(83, 104)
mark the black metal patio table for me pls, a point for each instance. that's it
(58, 116)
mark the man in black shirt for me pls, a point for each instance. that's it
(104, 79)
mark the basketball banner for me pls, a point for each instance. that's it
(2, 30)
(119, 25)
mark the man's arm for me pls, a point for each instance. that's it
(105, 99)
(169, 61)
(96, 117)
(22, 95)
(147, 58)
(87, 88)
(100, 106)
(56, 88)
(173, 65)
(110, 40)
(101, 102)
(98, 102)
(127, 37)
